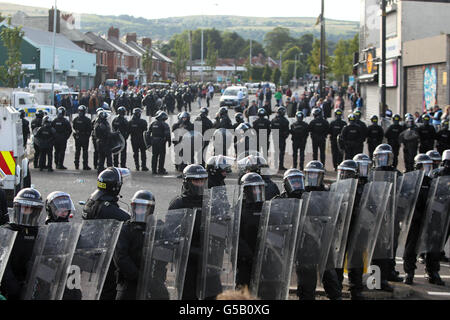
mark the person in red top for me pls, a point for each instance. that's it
(289, 92)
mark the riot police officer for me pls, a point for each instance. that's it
(25, 128)
(392, 134)
(443, 137)
(410, 140)
(306, 277)
(137, 128)
(436, 158)
(281, 124)
(318, 128)
(218, 167)
(293, 184)
(352, 137)
(444, 170)
(299, 134)
(239, 118)
(160, 133)
(45, 137)
(102, 132)
(336, 127)
(424, 163)
(427, 134)
(128, 253)
(223, 120)
(383, 158)
(103, 204)
(375, 135)
(26, 217)
(253, 197)
(36, 123)
(63, 131)
(260, 124)
(121, 124)
(357, 114)
(206, 125)
(194, 184)
(82, 128)
(187, 99)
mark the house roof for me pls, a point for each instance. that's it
(127, 50)
(99, 42)
(117, 47)
(77, 36)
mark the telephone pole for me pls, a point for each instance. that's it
(190, 56)
(322, 51)
(383, 56)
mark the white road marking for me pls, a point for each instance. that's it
(436, 293)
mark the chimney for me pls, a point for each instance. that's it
(50, 20)
(146, 42)
(131, 37)
(113, 33)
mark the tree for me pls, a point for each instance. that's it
(257, 73)
(276, 75)
(181, 57)
(147, 62)
(11, 73)
(291, 53)
(314, 58)
(211, 58)
(287, 71)
(306, 43)
(267, 73)
(276, 40)
(257, 49)
(340, 67)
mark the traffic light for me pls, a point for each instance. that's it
(239, 78)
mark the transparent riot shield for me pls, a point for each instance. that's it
(116, 142)
(7, 238)
(148, 139)
(433, 234)
(313, 243)
(93, 255)
(165, 255)
(407, 195)
(367, 224)
(221, 215)
(51, 258)
(384, 248)
(276, 241)
(347, 188)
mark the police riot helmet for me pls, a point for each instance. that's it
(299, 116)
(59, 206)
(105, 106)
(110, 180)
(374, 119)
(253, 187)
(46, 121)
(252, 163)
(142, 206)
(351, 118)
(383, 156)
(294, 181)
(239, 117)
(219, 165)
(409, 121)
(137, 112)
(396, 118)
(102, 115)
(423, 162)
(317, 112)
(161, 115)
(82, 110)
(223, 111)
(338, 113)
(40, 114)
(281, 111)
(408, 115)
(186, 116)
(435, 156)
(446, 158)
(61, 112)
(27, 208)
(22, 113)
(314, 174)
(357, 114)
(347, 169)
(122, 111)
(261, 112)
(426, 119)
(204, 112)
(194, 180)
(364, 162)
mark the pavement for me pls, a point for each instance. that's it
(80, 184)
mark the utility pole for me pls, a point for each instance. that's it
(295, 71)
(280, 67)
(190, 56)
(322, 51)
(383, 56)
(202, 58)
(53, 61)
(250, 61)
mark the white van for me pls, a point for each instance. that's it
(230, 98)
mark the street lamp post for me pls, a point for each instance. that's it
(53, 61)
(202, 59)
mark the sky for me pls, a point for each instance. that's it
(155, 9)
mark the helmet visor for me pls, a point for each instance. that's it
(346, 174)
(61, 207)
(27, 213)
(313, 178)
(295, 183)
(197, 186)
(363, 169)
(383, 159)
(141, 209)
(427, 168)
(254, 194)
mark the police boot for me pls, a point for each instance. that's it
(434, 278)
(385, 286)
(394, 276)
(356, 295)
(77, 167)
(144, 168)
(86, 167)
(409, 278)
